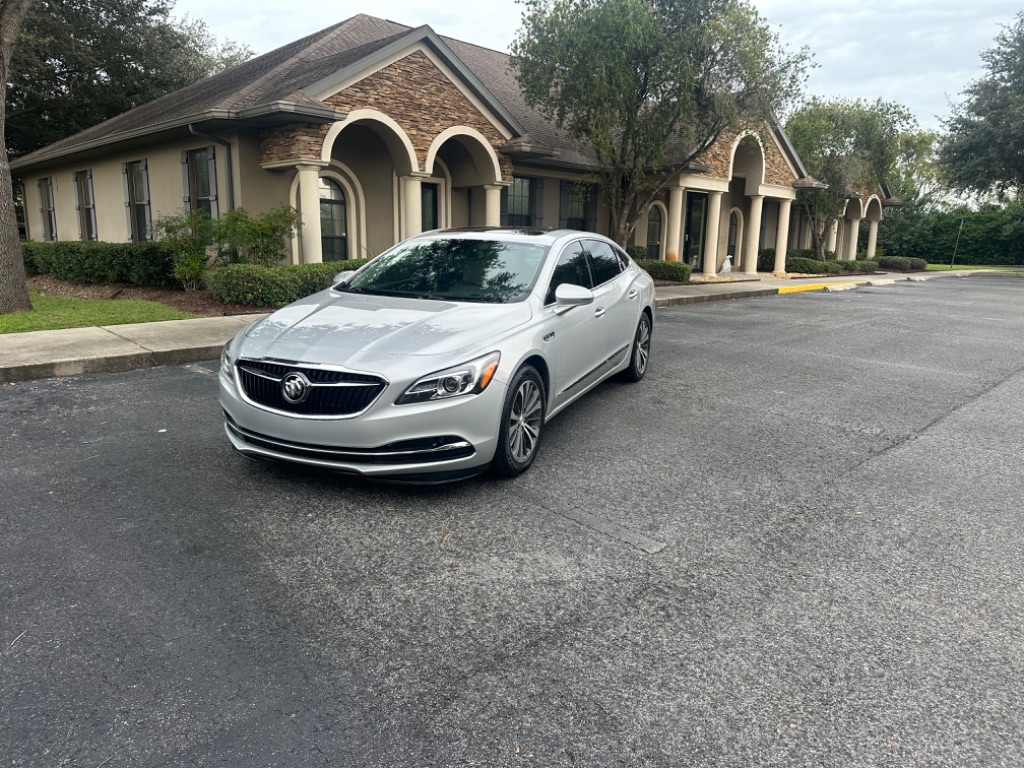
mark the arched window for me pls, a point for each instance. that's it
(654, 233)
(333, 220)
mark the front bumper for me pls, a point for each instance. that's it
(427, 442)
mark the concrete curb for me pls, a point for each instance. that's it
(115, 348)
(746, 293)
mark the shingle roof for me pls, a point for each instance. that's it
(282, 75)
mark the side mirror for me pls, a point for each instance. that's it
(568, 296)
(342, 277)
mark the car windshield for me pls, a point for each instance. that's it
(453, 269)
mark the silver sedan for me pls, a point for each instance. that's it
(440, 358)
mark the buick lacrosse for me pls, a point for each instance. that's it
(441, 357)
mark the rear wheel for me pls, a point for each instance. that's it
(522, 420)
(641, 354)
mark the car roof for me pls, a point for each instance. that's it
(520, 234)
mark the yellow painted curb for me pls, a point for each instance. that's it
(816, 286)
(800, 288)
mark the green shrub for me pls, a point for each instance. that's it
(149, 264)
(899, 263)
(679, 271)
(867, 265)
(260, 286)
(766, 260)
(244, 239)
(637, 252)
(918, 263)
(803, 266)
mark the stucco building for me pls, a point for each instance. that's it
(376, 131)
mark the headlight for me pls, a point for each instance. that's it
(226, 363)
(470, 378)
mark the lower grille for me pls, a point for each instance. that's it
(421, 451)
(331, 392)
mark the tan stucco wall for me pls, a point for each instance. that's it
(166, 190)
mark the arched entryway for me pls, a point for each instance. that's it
(463, 178)
(655, 231)
(734, 239)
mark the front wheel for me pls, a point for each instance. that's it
(522, 420)
(641, 354)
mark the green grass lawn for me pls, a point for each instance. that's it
(53, 312)
(957, 267)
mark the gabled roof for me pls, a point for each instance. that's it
(278, 87)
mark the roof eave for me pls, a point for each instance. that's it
(261, 116)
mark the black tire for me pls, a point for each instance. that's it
(522, 421)
(640, 355)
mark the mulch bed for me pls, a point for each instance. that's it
(195, 302)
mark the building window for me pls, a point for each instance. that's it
(429, 206)
(576, 207)
(136, 201)
(333, 220)
(85, 204)
(654, 233)
(46, 209)
(520, 212)
(199, 176)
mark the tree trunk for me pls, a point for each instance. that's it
(13, 291)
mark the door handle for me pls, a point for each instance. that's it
(599, 312)
(633, 294)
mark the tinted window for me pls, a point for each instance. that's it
(571, 268)
(603, 262)
(453, 269)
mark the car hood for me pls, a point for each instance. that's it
(367, 332)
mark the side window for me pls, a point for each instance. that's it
(571, 268)
(604, 263)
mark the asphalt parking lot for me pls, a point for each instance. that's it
(798, 542)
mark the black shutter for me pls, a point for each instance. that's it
(564, 191)
(592, 199)
(91, 209)
(537, 197)
(211, 160)
(185, 181)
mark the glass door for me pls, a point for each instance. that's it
(693, 235)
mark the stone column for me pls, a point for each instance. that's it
(674, 230)
(872, 238)
(492, 205)
(753, 234)
(412, 207)
(833, 234)
(782, 235)
(853, 227)
(309, 205)
(713, 233)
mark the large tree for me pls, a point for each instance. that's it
(983, 151)
(13, 293)
(80, 62)
(853, 146)
(649, 86)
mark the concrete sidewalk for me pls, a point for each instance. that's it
(42, 354)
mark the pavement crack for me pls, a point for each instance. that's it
(595, 523)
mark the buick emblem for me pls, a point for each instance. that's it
(295, 388)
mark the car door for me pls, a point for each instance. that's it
(577, 347)
(616, 307)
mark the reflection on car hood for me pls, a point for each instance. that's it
(368, 332)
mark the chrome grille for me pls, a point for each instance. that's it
(332, 392)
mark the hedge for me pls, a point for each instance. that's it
(899, 263)
(261, 286)
(665, 270)
(802, 265)
(147, 264)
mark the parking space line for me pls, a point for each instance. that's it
(596, 523)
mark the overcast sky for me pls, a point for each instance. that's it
(921, 54)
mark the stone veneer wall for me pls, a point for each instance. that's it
(719, 154)
(421, 99)
(301, 141)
